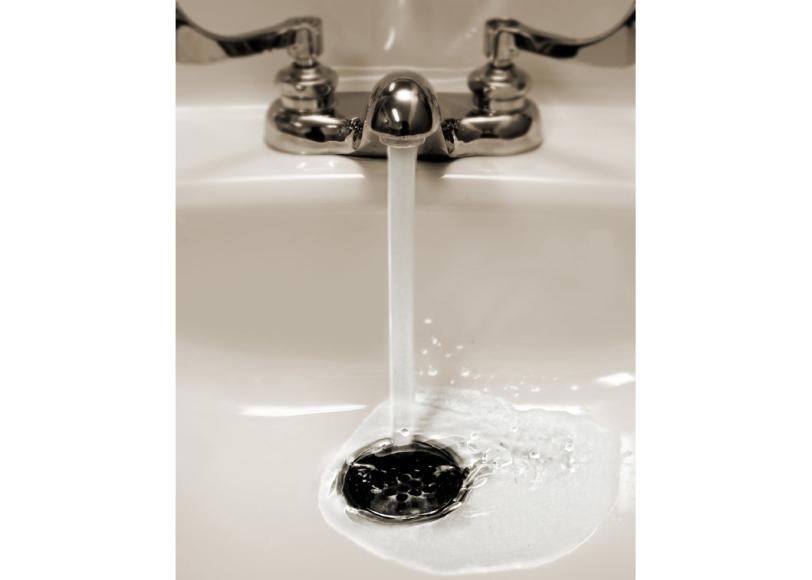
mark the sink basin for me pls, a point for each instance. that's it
(525, 275)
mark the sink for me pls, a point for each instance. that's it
(526, 263)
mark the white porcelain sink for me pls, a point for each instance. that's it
(526, 261)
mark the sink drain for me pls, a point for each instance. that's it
(415, 482)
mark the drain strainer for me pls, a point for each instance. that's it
(415, 482)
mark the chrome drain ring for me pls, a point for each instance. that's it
(416, 482)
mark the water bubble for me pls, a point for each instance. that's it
(476, 376)
(448, 355)
(424, 351)
(474, 435)
(420, 373)
(404, 431)
(568, 464)
(459, 347)
(464, 372)
(534, 454)
(435, 341)
(569, 445)
(574, 388)
(451, 382)
(432, 372)
(514, 428)
(427, 321)
(535, 389)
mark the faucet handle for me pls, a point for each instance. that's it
(505, 37)
(302, 36)
(500, 87)
(305, 87)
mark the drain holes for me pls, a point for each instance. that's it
(403, 483)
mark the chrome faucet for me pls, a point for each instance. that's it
(310, 117)
(402, 109)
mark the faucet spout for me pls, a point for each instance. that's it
(403, 110)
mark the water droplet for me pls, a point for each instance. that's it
(435, 341)
(404, 431)
(451, 382)
(448, 355)
(427, 321)
(569, 445)
(535, 389)
(514, 428)
(464, 372)
(534, 454)
(459, 347)
(432, 372)
(474, 435)
(574, 387)
(476, 376)
(424, 351)
(419, 373)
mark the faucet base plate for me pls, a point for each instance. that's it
(464, 131)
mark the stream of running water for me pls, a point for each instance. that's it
(400, 218)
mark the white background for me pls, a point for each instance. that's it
(87, 296)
